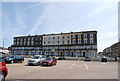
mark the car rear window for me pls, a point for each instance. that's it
(35, 57)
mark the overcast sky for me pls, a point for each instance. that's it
(23, 18)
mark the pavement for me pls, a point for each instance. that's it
(65, 69)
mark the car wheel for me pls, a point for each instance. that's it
(21, 61)
(12, 62)
(2, 76)
(38, 63)
(28, 64)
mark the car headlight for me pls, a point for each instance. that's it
(49, 62)
(9, 59)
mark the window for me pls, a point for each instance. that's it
(20, 43)
(91, 47)
(48, 42)
(32, 42)
(91, 35)
(73, 41)
(32, 39)
(15, 39)
(21, 39)
(14, 43)
(48, 38)
(79, 47)
(68, 37)
(44, 42)
(79, 36)
(63, 37)
(40, 43)
(48, 47)
(53, 37)
(40, 38)
(36, 43)
(28, 43)
(68, 41)
(73, 47)
(24, 43)
(85, 47)
(79, 41)
(63, 47)
(58, 37)
(85, 35)
(91, 40)
(17, 43)
(62, 42)
(58, 42)
(36, 38)
(53, 42)
(24, 39)
(28, 39)
(73, 36)
(85, 40)
(18, 39)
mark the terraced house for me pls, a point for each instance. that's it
(80, 44)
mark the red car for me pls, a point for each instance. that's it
(49, 61)
(3, 70)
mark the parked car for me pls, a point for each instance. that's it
(61, 58)
(14, 59)
(104, 59)
(35, 60)
(2, 56)
(49, 61)
(87, 59)
(3, 70)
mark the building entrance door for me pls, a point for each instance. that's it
(83, 54)
(61, 54)
(72, 54)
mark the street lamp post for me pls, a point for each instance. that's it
(3, 46)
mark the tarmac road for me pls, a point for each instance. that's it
(65, 69)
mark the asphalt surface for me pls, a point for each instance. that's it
(65, 69)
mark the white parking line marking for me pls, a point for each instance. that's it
(86, 66)
(72, 65)
(104, 63)
(87, 62)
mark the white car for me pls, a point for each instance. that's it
(35, 60)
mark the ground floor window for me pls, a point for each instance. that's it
(56, 53)
(91, 53)
(66, 53)
(78, 54)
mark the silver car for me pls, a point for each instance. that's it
(35, 60)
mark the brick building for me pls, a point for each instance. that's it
(113, 50)
(81, 44)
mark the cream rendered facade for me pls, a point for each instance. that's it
(56, 39)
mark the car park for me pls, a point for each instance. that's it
(35, 60)
(104, 59)
(49, 61)
(3, 70)
(14, 59)
(87, 59)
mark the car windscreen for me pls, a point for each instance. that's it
(35, 57)
(48, 59)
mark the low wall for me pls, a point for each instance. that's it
(67, 58)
